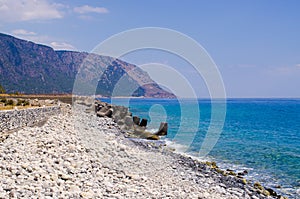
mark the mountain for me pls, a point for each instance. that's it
(34, 68)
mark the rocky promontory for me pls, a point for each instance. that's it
(27, 67)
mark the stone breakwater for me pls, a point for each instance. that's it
(132, 126)
(14, 119)
(79, 155)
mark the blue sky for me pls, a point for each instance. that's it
(255, 44)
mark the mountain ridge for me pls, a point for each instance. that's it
(32, 68)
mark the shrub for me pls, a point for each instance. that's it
(10, 102)
(26, 103)
(22, 102)
(3, 100)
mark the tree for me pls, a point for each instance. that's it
(2, 90)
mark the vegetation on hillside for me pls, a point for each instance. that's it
(30, 68)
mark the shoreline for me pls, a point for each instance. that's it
(282, 184)
(250, 174)
(230, 178)
(114, 166)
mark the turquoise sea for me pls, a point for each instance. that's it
(261, 136)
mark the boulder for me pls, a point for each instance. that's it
(271, 191)
(116, 118)
(128, 121)
(144, 122)
(146, 135)
(120, 122)
(163, 129)
(104, 109)
(153, 137)
(108, 113)
(49, 102)
(136, 120)
(132, 125)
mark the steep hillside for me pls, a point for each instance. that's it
(33, 68)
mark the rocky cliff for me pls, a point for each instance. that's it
(33, 68)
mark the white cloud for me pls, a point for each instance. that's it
(30, 36)
(25, 10)
(43, 39)
(62, 46)
(88, 9)
(22, 32)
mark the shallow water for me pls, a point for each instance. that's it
(259, 135)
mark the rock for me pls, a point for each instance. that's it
(74, 189)
(120, 175)
(258, 186)
(64, 177)
(266, 193)
(141, 133)
(117, 118)
(282, 197)
(244, 181)
(152, 137)
(121, 122)
(108, 113)
(49, 102)
(132, 176)
(139, 130)
(143, 122)
(94, 160)
(25, 165)
(54, 177)
(136, 120)
(128, 121)
(103, 109)
(89, 194)
(271, 191)
(163, 129)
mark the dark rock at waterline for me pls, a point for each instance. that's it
(245, 172)
(144, 122)
(271, 191)
(136, 120)
(163, 129)
(139, 132)
(152, 137)
(133, 126)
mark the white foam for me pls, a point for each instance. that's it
(179, 148)
(152, 130)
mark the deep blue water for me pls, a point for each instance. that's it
(260, 135)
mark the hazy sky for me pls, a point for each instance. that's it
(255, 44)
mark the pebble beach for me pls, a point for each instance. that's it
(76, 154)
